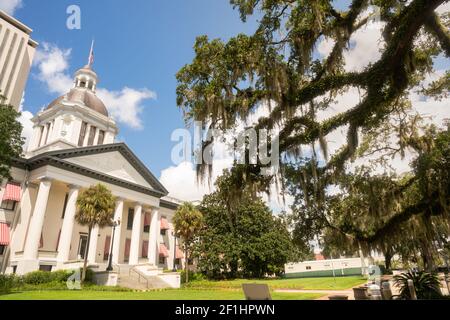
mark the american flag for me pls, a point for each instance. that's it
(91, 55)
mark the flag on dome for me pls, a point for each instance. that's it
(91, 55)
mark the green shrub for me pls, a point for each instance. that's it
(61, 275)
(6, 283)
(193, 276)
(427, 285)
(89, 275)
(37, 277)
(41, 277)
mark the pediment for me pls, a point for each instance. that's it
(110, 161)
(113, 164)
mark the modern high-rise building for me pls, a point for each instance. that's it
(17, 50)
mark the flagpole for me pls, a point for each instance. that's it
(91, 54)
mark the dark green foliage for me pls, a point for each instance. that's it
(240, 239)
(11, 140)
(41, 277)
(6, 283)
(193, 276)
(427, 285)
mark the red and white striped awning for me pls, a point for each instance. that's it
(179, 254)
(4, 234)
(12, 192)
(164, 224)
(163, 252)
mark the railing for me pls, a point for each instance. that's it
(140, 275)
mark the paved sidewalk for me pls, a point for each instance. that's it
(326, 293)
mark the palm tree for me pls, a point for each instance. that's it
(95, 208)
(188, 221)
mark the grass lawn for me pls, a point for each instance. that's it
(326, 283)
(197, 290)
(182, 294)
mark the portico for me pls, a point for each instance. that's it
(53, 239)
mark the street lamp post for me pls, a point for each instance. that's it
(115, 225)
(174, 269)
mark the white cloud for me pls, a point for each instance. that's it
(53, 64)
(125, 105)
(364, 47)
(27, 124)
(10, 6)
(181, 180)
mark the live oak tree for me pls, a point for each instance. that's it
(11, 141)
(276, 67)
(188, 221)
(95, 207)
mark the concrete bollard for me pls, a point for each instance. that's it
(412, 290)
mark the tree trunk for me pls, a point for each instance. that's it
(186, 265)
(427, 256)
(83, 275)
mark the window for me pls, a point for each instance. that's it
(147, 229)
(82, 134)
(163, 232)
(2, 250)
(48, 133)
(45, 268)
(41, 134)
(162, 260)
(308, 267)
(83, 84)
(92, 136)
(130, 219)
(82, 245)
(101, 137)
(8, 205)
(66, 198)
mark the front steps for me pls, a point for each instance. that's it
(146, 277)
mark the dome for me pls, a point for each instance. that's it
(87, 69)
(86, 97)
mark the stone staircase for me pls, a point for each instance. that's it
(144, 277)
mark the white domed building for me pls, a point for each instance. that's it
(73, 147)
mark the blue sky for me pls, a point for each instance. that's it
(138, 44)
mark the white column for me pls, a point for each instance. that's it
(86, 137)
(136, 235)
(37, 221)
(153, 242)
(117, 240)
(68, 223)
(34, 143)
(97, 133)
(92, 255)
